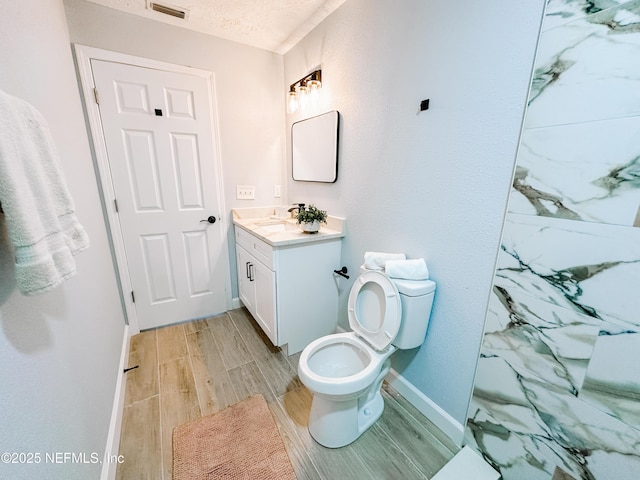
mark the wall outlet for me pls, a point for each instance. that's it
(245, 192)
(276, 191)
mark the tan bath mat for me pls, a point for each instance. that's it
(240, 442)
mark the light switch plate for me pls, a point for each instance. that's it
(277, 192)
(245, 192)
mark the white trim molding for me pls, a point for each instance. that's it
(441, 419)
(236, 303)
(110, 459)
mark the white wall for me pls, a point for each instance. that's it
(431, 184)
(59, 352)
(249, 93)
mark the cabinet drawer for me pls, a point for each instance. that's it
(244, 239)
(262, 251)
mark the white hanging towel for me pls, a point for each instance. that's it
(376, 260)
(413, 269)
(38, 209)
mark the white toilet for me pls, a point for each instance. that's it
(344, 371)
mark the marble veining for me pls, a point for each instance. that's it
(557, 384)
(559, 12)
(587, 171)
(530, 427)
(548, 341)
(544, 394)
(590, 268)
(579, 156)
(612, 383)
(584, 70)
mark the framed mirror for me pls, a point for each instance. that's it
(314, 152)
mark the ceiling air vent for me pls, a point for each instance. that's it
(169, 10)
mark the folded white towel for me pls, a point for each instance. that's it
(38, 209)
(376, 260)
(414, 269)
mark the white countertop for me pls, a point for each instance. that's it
(279, 231)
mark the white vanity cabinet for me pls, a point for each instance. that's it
(257, 290)
(289, 289)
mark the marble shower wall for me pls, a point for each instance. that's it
(558, 382)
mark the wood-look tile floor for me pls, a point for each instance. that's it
(195, 369)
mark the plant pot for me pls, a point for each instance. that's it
(311, 227)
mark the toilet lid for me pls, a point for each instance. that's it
(374, 309)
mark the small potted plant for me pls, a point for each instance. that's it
(311, 218)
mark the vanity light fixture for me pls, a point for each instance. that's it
(304, 90)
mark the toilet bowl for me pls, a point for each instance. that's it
(344, 371)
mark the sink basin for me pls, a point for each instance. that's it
(278, 226)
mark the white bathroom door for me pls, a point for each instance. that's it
(157, 127)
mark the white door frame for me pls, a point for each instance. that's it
(84, 55)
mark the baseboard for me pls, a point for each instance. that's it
(236, 303)
(110, 460)
(441, 419)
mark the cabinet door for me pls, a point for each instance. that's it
(246, 278)
(265, 300)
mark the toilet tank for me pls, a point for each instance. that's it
(416, 297)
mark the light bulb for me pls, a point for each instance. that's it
(301, 91)
(314, 92)
(314, 84)
(292, 102)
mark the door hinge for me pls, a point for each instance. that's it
(115, 204)
(133, 297)
(96, 96)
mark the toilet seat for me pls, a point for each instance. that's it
(320, 381)
(374, 309)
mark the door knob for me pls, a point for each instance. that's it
(210, 219)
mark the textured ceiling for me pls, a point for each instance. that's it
(274, 25)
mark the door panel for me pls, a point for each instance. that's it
(159, 138)
(156, 256)
(180, 103)
(131, 97)
(196, 255)
(188, 172)
(142, 165)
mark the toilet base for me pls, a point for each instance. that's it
(336, 423)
